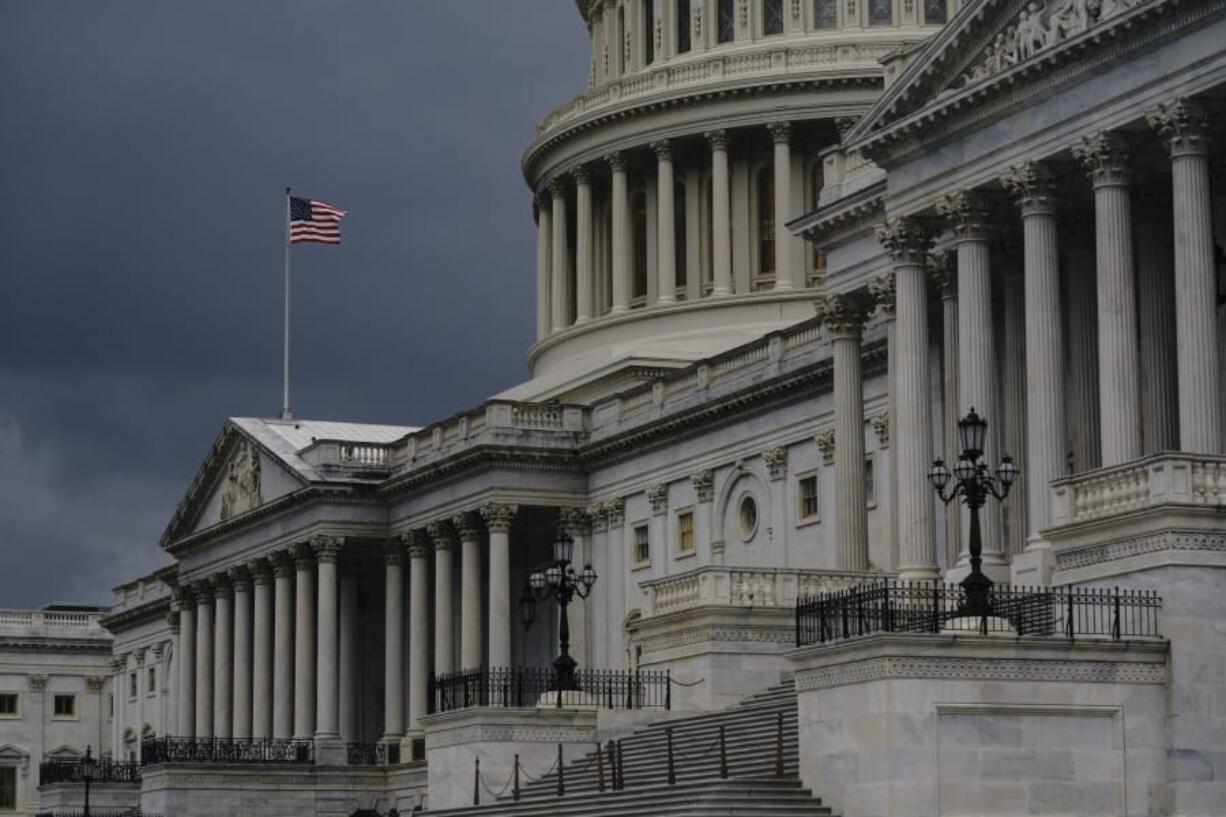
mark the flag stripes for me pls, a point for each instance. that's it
(314, 222)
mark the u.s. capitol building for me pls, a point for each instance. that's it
(783, 249)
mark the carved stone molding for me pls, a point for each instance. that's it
(221, 584)
(202, 592)
(704, 485)
(260, 571)
(499, 516)
(979, 669)
(825, 444)
(883, 292)
(508, 733)
(303, 555)
(657, 495)
(905, 240)
(282, 564)
(968, 214)
(881, 427)
(139, 658)
(581, 174)
(240, 578)
(38, 682)
(1033, 187)
(599, 516)
(393, 552)
(1162, 541)
(844, 124)
(1184, 126)
(724, 633)
(615, 511)
(94, 683)
(557, 187)
(776, 460)
(241, 490)
(1105, 157)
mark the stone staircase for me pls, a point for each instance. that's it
(752, 786)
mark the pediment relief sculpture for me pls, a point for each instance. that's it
(241, 487)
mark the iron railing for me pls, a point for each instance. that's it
(933, 607)
(526, 686)
(225, 750)
(62, 770)
(372, 754)
(94, 811)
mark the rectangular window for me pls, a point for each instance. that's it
(808, 498)
(132, 685)
(726, 32)
(685, 532)
(65, 706)
(772, 17)
(649, 36)
(683, 26)
(935, 12)
(880, 12)
(8, 788)
(152, 684)
(642, 545)
(825, 14)
(8, 705)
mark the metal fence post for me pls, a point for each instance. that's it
(600, 767)
(779, 746)
(723, 754)
(515, 790)
(561, 774)
(476, 781)
(672, 772)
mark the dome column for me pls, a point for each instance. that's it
(843, 316)
(544, 245)
(666, 229)
(560, 278)
(584, 271)
(620, 218)
(721, 225)
(781, 135)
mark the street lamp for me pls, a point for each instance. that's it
(559, 580)
(975, 482)
(88, 767)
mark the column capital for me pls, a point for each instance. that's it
(303, 555)
(393, 552)
(542, 200)
(617, 161)
(240, 578)
(843, 314)
(94, 683)
(499, 516)
(881, 427)
(657, 495)
(844, 124)
(663, 149)
(467, 525)
(221, 585)
(260, 570)
(704, 485)
(967, 213)
(575, 521)
(119, 663)
(781, 132)
(202, 591)
(1033, 187)
(615, 510)
(1105, 157)
(38, 682)
(556, 187)
(441, 535)
(825, 444)
(327, 548)
(159, 650)
(182, 598)
(943, 272)
(776, 460)
(282, 563)
(172, 620)
(1183, 124)
(139, 658)
(906, 240)
(596, 513)
(883, 292)
(416, 544)
(582, 175)
(717, 139)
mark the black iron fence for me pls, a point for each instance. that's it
(533, 686)
(933, 607)
(105, 771)
(372, 754)
(226, 750)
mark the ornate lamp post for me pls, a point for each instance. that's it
(975, 483)
(88, 768)
(560, 581)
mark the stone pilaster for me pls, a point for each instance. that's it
(884, 292)
(943, 273)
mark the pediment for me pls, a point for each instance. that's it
(64, 752)
(13, 755)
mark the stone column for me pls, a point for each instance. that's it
(283, 648)
(498, 519)
(721, 226)
(304, 642)
(1015, 512)
(1033, 186)
(620, 240)
(223, 657)
(1105, 157)
(240, 580)
(944, 274)
(468, 526)
(615, 512)
(393, 640)
(559, 259)
(781, 135)
(978, 385)
(203, 592)
(350, 660)
(119, 696)
(585, 283)
(544, 241)
(419, 625)
(883, 293)
(843, 315)
(1183, 124)
(262, 650)
(666, 231)
(329, 751)
(443, 539)
(186, 726)
(907, 244)
(170, 713)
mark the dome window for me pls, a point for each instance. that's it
(772, 17)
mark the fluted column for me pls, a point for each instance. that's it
(443, 539)
(1033, 187)
(419, 625)
(883, 293)
(585, 283)
(620, 219)
(283, 648)
(186, 726)
(721, 226)
(1105, 157)
(498, 519)
(393, 640)
(544, 244)
(1183, 124)
(204, 659)
(223, 657)
(666, 230)
(327, 723)
(559, 259)
(781, 136)
(468, 526)
(304, 642)
(240, 580)
(843, 315)
(943, 273)
(977, 377)
(262, 650)
(907, 243)
(349, 663)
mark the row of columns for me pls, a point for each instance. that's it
(554, 278)
(972, 379)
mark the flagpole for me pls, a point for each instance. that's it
(285, 415)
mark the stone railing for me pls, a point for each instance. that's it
(758, 587)
(365, 455)
(493, 418)
(50, 620)
(1161, 479)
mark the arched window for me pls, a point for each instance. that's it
(649, 27)
(683, 26)
(679, 236)
(638, 230)
(726, 32)
(766, 220)
(772, 17)
(819, 181)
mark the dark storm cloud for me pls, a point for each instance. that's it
(144, 151)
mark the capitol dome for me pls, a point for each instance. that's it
(662, 193)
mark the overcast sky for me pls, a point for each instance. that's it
(144, 152)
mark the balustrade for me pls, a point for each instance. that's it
(1162, 479)
(763, 588)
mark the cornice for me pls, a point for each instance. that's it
(843, 217)
(33, 644)
(125, 618)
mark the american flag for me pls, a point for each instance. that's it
(314, 221)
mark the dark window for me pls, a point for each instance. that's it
(8, 704)
(727, 21)
(638, 210)
(649, 36)
(679, 235)
(766, 221)
(683, 26)
(65, 706)
(935, 12)
(685, 532)
(772, 17)
(819, 181)
(880, 12)
(619, 48)
(825, 13)
(8, 788)
(808, 498)
(642, 545)
(153, 679)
